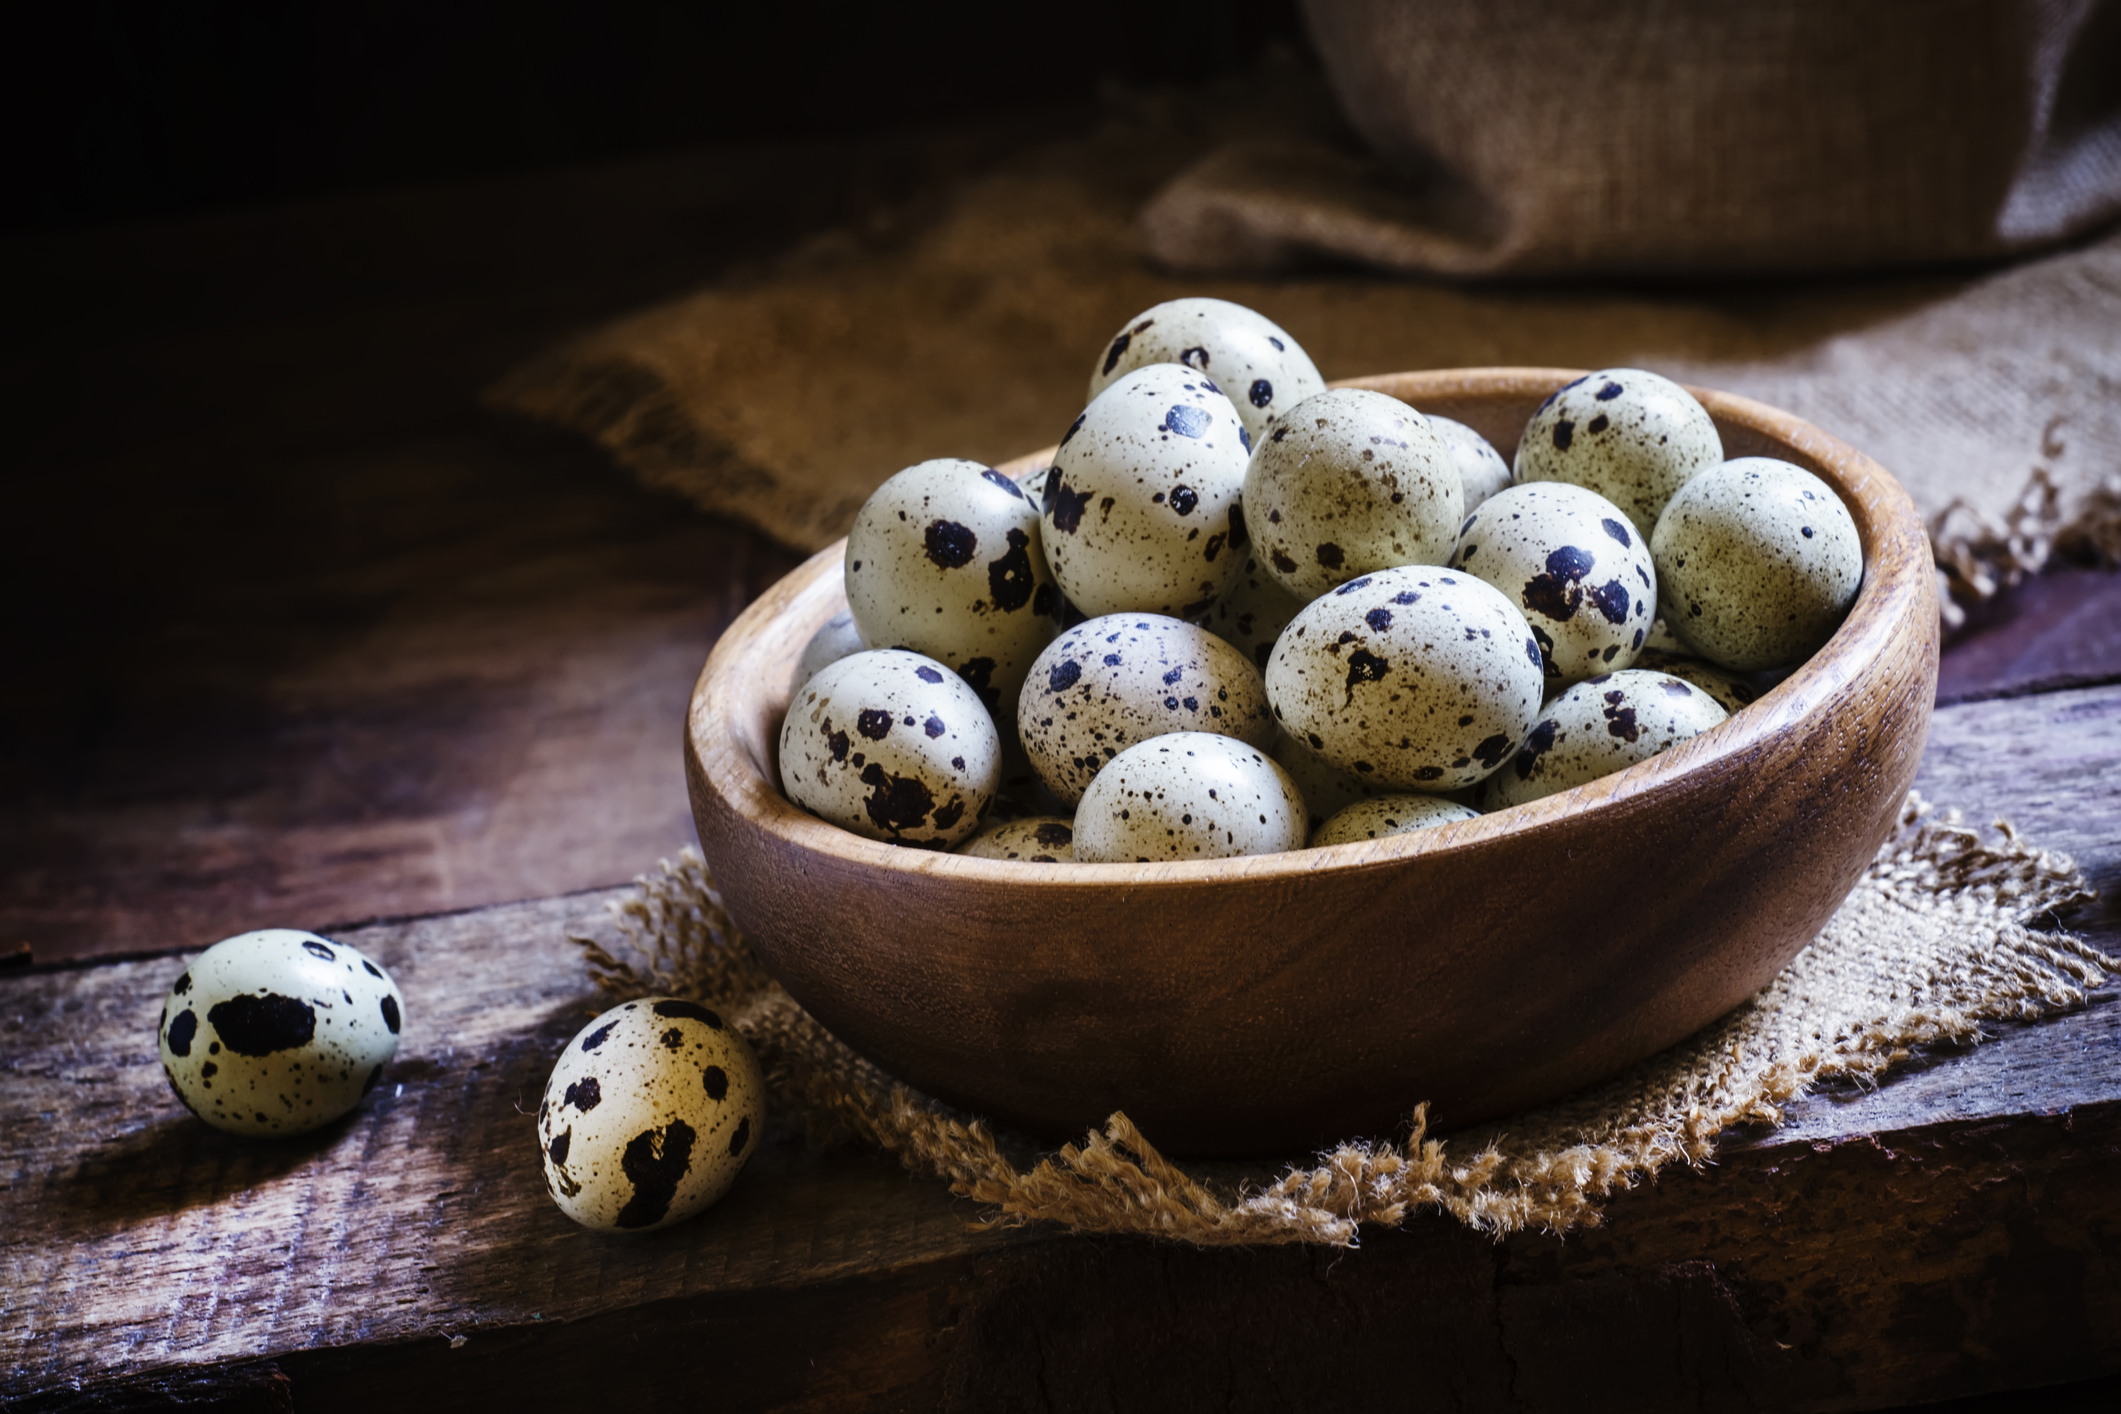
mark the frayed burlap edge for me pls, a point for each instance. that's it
(1980, 555)
(1931, 945)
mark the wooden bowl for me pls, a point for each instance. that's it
(1262, 1006)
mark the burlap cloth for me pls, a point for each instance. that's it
(1932, 946)
(965, 324)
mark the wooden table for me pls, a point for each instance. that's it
(312, 640)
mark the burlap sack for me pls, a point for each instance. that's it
(1930, 946)
(1669, 138)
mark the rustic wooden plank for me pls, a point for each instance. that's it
(1949, 1232)
(2059, 630)
(314, 639)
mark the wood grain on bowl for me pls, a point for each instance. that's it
(1260, 1005)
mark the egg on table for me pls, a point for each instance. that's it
(1417, 678)
(945, 559)
(1602, 725)
(1252, 359)
(1384, 815)
(891, 745)
(1188, 795)
(1758, 562)
(1143, 514)
(1573, 564)
(1113, 681)
(278, 1031)
(1347, 482)
(1632, 436)
(649, 1115)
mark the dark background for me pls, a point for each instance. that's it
(121, 111)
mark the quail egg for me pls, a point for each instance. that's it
(278, 1031)
(893, 746)
(1188, 795)
(1253, 613)
(1388, 815)
(649, 1114)
(1758, 561)
(1143, 515)
(1417, 678)
(1347, 482)
(832, 642)
(1481, 470)
(1033, 839)
(1257, 365)
(1571, 561)
(1732, 692)
(944, 559)
(1599, 726)
(1111, 682)
(1325, 787)
(1632, 436)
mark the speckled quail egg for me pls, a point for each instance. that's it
(1347, 482)
(1251, 358)
(1661, 638)
(1569, 559)
(1388, 815)
(1034, 839)
(278, 1031)
(1144, 514)
(1732, 692)
(1252, 614)
(1111, 682)
(1481, 470)
(832, 642)
(1633, 437)
(1599, 726)
(1325, 787)
(891, 745)
(650, 1112)
(1418, 678)
(944, 559)
(1758, 562)
(1188, 795)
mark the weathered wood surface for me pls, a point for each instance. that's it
(1950, 1232)
(304, 636)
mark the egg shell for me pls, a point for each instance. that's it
(1036, 839)
(650, 1114)
(1144, 515)
(1573, 564)
(1188, 795)
(1758, 562)
(1733, 692)
(1111, 682)
(891, 745)
(834, 640)
(1325, 787)
(1253, 360)
(1632, 436)
(1599, 726)
(278, 1031)
(1481, 470)
(1388, 815)
(1347, 482)
(1253, 612)
(945, 560)
(1418, 678)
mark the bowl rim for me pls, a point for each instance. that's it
(748, 784)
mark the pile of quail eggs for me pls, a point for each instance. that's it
(1241, 612)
